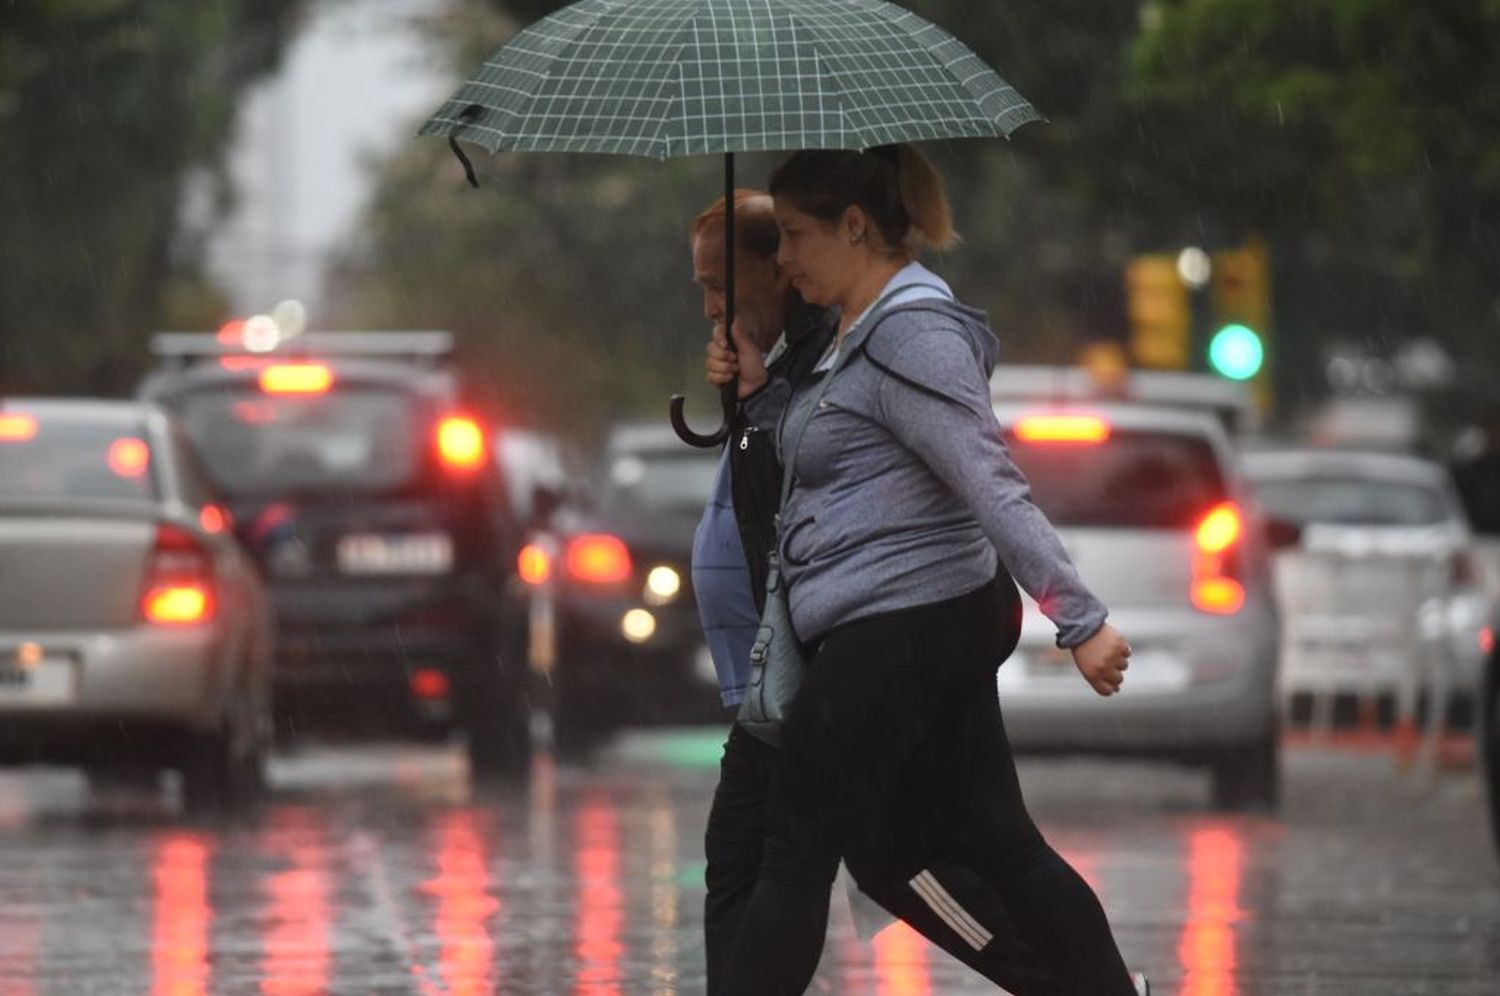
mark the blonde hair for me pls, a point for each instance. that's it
(895, 185)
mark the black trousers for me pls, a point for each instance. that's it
(894, 759)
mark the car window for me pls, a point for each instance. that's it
(363, 439)
(1351, 501)
(59, 459)
(669, 481)
(1134, 479)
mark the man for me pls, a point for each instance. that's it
(729, 551)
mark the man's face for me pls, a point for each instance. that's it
(759, 291)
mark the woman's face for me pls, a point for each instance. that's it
(821, 259)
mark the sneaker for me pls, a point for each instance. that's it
(1142, 984)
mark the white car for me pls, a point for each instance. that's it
(1383, 592)
(1150, 506)
(134, 633)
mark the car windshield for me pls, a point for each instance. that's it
(1351, 501)
(1135, 480)
(62, 458)
(360, 439)
(660, 480)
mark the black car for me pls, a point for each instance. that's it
(615, 623)
(363, 486)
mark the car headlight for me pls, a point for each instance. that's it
(638, 625)
(663, 585)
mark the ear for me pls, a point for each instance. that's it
(854, 224)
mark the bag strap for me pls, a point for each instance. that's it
(845, 351)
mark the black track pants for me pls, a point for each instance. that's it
(895, 759)
(735, 842)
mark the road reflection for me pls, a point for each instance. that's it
(295, 940)
(181, 915)
(600, 916)
(1207, 949)
(465, 906)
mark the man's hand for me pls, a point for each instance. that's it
(1102, 660)
(747, 365)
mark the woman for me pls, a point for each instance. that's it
(903, 495)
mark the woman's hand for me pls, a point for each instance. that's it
(1102, 660)
(747, 365)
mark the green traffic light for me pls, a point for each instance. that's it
(1236, 352)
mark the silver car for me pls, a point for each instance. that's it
(134, 634)
(1152, 510)
(1383, 592)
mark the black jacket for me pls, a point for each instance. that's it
(754, 466)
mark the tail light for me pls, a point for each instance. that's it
(534, 565)
(179, 587)
(1064, 429)
(461, 443)
(296, 378)
(128, 457)
(1486, 640)
(1218, 588)
(17, 428)
(598, 558)
(214, 519)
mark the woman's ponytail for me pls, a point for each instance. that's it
(924, 199)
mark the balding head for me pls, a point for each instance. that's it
(760, 292)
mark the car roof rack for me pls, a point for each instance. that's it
(183, 349)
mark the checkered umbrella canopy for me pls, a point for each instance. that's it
(669, 78)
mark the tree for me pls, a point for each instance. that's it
(1363, 137)
(106, 107)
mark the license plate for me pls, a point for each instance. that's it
(423, 553)
(49, 682)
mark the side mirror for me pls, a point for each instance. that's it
(1281, 534)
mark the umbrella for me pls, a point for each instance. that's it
(666, 78)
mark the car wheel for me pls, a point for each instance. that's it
(495, 714)
(224, 772)
(1248, 778)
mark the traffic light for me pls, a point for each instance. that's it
(1160, 313)
(1237, 352)
(1241, 293)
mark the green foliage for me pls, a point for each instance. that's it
(105, 108)
(1363, 136)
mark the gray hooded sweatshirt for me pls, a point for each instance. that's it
(904, 490)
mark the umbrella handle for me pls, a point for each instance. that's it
(687, 435)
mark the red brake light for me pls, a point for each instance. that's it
(17, 428)
(1220, 528)
(460, 443)
(1486, 640)
(179, 579)
(598, 559)
(128, 457)
(213, 519)
(1218, 596)
(533, 565)
(178, 605)
(296, 378)
(429, 683)
(1216, 590)
(1065, 429)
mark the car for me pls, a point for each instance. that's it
(1149, 503)
(361, 480)
(135, 634)
(620, 640)
(1382, 587)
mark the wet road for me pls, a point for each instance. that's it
(375, 870)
